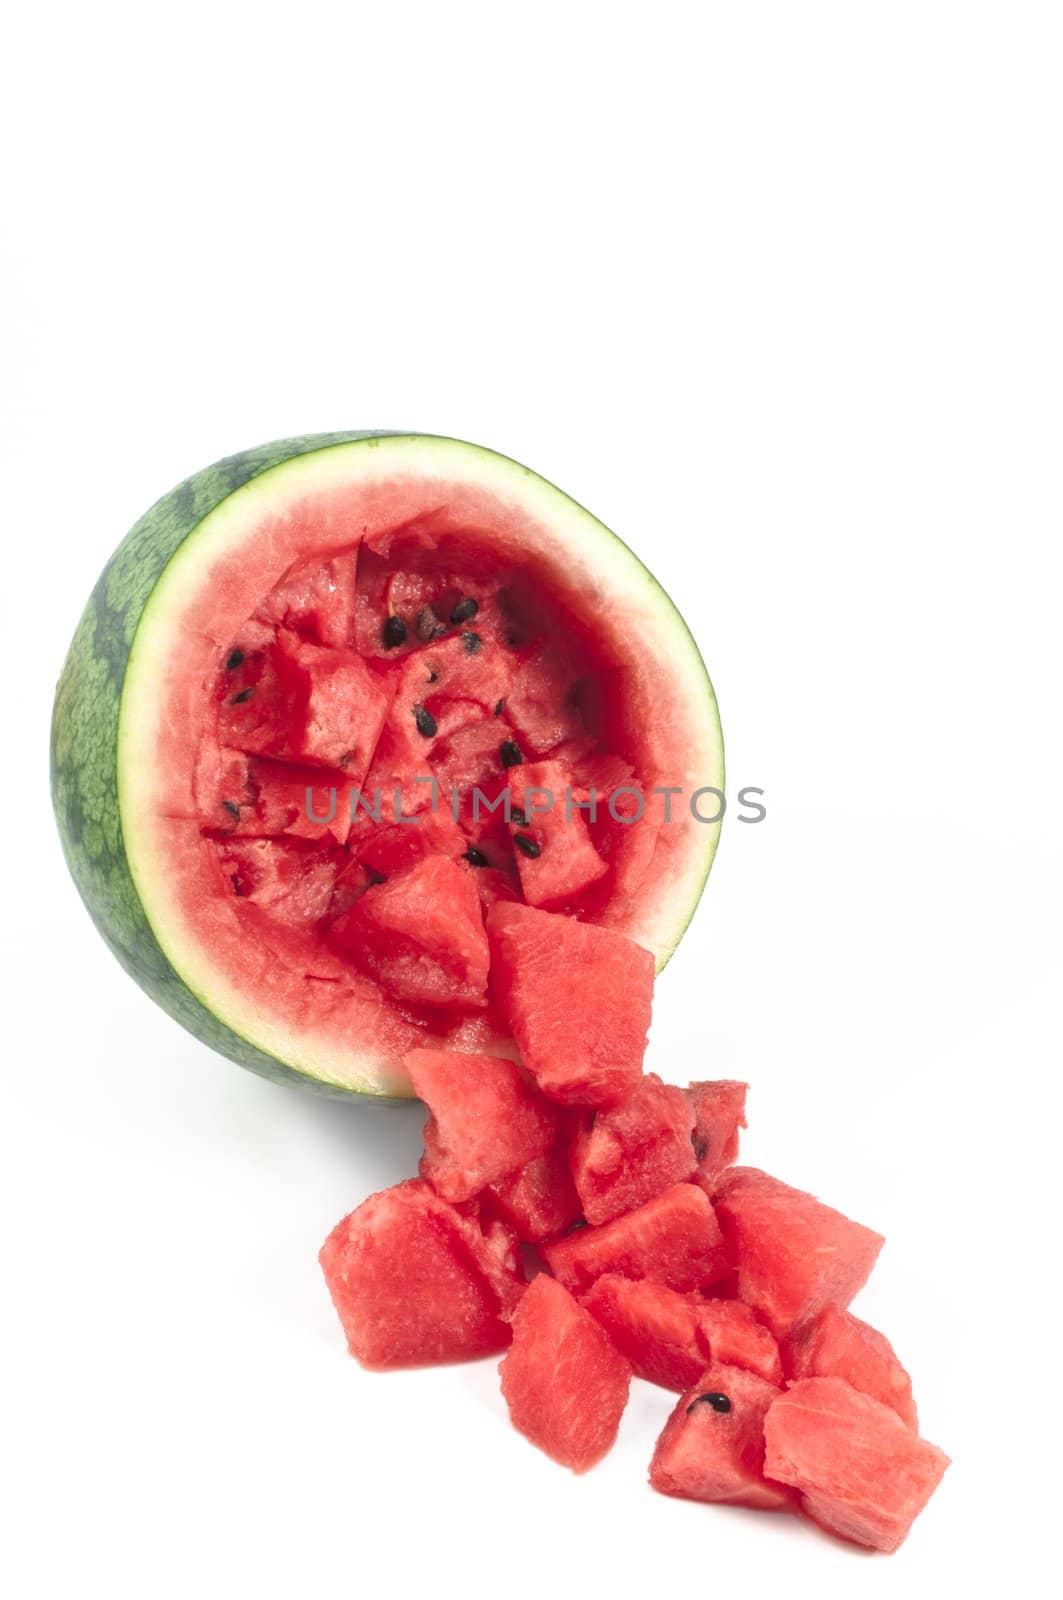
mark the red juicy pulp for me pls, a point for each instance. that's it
(310, 695)
(564, 1383)
(861, 1471)
(717, 1455)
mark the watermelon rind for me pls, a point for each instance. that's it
(104, 703)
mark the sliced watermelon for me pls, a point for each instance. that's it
(719, 1111)
(486, 1123)
(539, 1202)
(554, 854)
(622, 1157)
(670, 1338)
(415, 1283)
(794, 1255)
(289, 881)
(565, 1385)
(712, 1447)
(835, 1344)
(421, 935)
(862, 1472)
(577, 999)
(373, 611)
(674, 1239)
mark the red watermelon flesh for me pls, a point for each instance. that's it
(731, 1332)
(393, 847)
(862, 1472)
(539, 1202)
(712, 1446)
(576, 998)
(623, 1156)
(835, 1344)
(565, 1385)
(794, 1255)
(554, 854)
(290, 882)
(654, 1327)
(415, 1283)
(673, 1239)
(540, 701)
(421, 935)
(670, 1338)
(719, 1111)
(316, 599)
(486, 1120)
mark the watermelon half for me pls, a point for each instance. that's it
(326, 616)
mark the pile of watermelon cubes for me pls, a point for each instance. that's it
(588, 1219)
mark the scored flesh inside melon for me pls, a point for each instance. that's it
(339, 614)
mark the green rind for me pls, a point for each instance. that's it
(85, 736)
(84, 756)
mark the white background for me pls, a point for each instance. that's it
(775, 290)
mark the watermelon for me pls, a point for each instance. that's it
(540, 1201)
(624, 1156)
(415, 1283)
(565, 1385)
(861, 1471)
(835, 1344)
(670, 1338)
(420, 935)
(576, 998)
(712, 1446)
(366, 617)
(719, 1111)
(486, 1121)
(673, 1239)
(794, 1255)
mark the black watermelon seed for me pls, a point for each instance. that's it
(526, 846)
(701, 1147)
(718, 1402)
(498, 709)
(426, 723)
(243, 697)
(474, 857)
(433, 677)
(509, 753)
(236, 659)
(519, 817)
(232, 808)
(465, 610)
(430, 625)
(394, 633)
(472, 643)
(373, 876)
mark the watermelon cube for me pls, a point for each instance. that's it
(287, 880)
(539, 702)
(673, 1239)
(719, 1111)
(623, 1156)
(565, 1385)
(395, 846)
(539, 1202)
(861, 1471)
(577, 1000)
(487, 1121)
(835, 1344)
(654, 1327)
(731, 1332)
(316, 599)
(416, 1283)
(793, 1254)
(421, 935)
(670, 1338)
(555, 857)
(712, 1446)
(335, 706)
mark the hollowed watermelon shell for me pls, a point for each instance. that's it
(269, 539)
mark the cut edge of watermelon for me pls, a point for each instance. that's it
(411, 471)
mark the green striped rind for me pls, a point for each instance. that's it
(85, 735)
